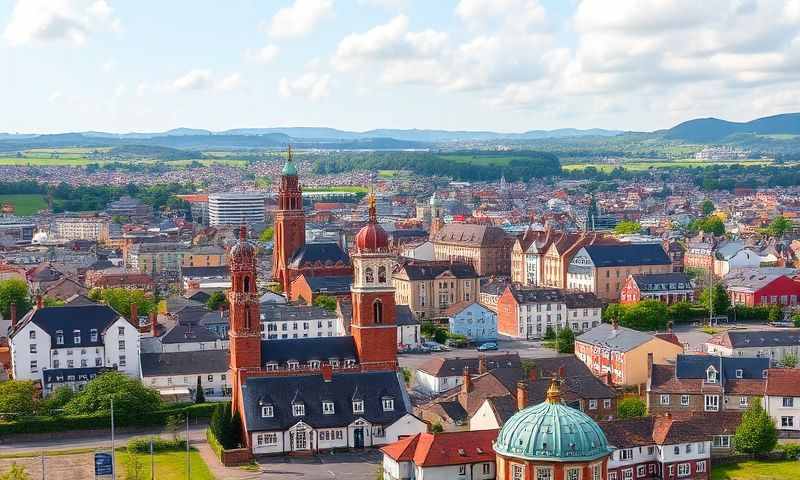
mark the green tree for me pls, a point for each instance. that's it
(120, 299)
(566, 341)
(267, 234)
(720, 299)
(775, 313)
(437, 428)
(325, 301)
(16, 472)
(644, 315)
(17, 397)
(52, 302)
(756, 434)
(779, 226)
(217, 300)
(55, 402)
(236, 429)
(796, 319)
(708, 207)
(789, 360)
(613, 311)
(549, 333)
(627, 227)
(130, 396)
(631, 407)
(680, 311)
(406, 372)
(14, 290)
(199, 394)
(174, 425)
(134, 467)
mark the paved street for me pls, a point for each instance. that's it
(361, 465)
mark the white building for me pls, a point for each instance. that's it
(782, 398)
(81, 228)
(773, 344)
(176, 374)
(445, 456)
(73, 337)
(283, 321)
(236, 208)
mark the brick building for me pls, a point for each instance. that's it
(667, 288)
(486, 248)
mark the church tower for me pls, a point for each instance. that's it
(373, 326)
(290, 223)
(244, 330)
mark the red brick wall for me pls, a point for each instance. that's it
(508, 314)
(238, 456)
(374, 344)
(630, 292)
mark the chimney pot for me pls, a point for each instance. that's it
(482, 365)
(522, 395)
(39, 302)
(153, 324)
(561, 372)
(534, 373)
(135, 315)
(466, 386)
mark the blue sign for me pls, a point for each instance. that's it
(103, 464)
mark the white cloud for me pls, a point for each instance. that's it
(231, 82)
(311, 85)
(109, 65)
(72, 21)
(263, 55)
(54, 97)
(390, 5)
(197, 79)
(121, 90)
(300, 18)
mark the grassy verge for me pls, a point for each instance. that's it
(48, 453)
(754, 470)
(167, 465)
(25, 204)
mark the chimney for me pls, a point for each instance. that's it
(13, 313)
(135, 315)
(39, 302)
(534, 373)
(669, 326)
(327, 373)
(482, 365)
(609, 379)
(466, 386)
(615, 325)
(649, 368)
(561, 372)
(522, 395)
(153, 324)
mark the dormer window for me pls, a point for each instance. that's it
(358, 406)
(59, 337)
(711, 375)
(313, 364)
(327, 408)
(334, 362)
(93, 333)
(293, 365)
(267, 411)
(763, 374)
(388, 404)
(739, 373)
(298, 409)
(271, 366)
(349, 363)
(76, 336)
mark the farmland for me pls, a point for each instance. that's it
(25, 204)
(638, 166)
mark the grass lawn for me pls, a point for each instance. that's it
(25, 204)
(168, 466)
(783, 469)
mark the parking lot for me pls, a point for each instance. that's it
(355, 465)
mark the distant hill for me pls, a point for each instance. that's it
(154, 151)
(716, 130)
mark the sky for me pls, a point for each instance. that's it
(501, 65)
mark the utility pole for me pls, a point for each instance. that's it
(113, 454)
(152, 462)
(188, 458)
(43, 466)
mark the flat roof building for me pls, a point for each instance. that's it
(236, 207)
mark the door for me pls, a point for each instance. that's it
(358, 438)
(300, 440)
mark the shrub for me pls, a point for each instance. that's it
(756, 435)
(142, 445)
(631, 407)
(16, 396)
(130, 396)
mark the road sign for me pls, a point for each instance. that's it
(103, 464)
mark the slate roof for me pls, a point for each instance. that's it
(69, 318)
(691, 378)
(754, 279)
(783, 382)
(188, 333)
(419, 270)
(572, 299)
(757, 338)
(329, 284)
(623, 340)
(310, 390)
(184, 363)
(550, 367)
(503, 407)
(471, 235)
(223, 271)
(694, 366)
(404, 316)
(326, 253)
(450, 367)
(657, 282)
(191, 313)
(627, 254)
(279, 312)
(303, 350)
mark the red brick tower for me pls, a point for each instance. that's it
(373, 327)
(290, 223)
(245, 320)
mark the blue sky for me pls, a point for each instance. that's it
(507, 65)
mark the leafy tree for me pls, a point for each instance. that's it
(720, 299)
(406, 372)
(566, 341)
(199, 395)
(217, 300)
(130, 396)
(120, 299)
(17, 396)
(437, 428)
(779, 226)
(756, 435)
(549, 333)
(56, 401)
(680, 311)
(789, 360)
(712, 224)
(631, 407)
(52, 302)
(775, 313)
(708, 207)
(644, 315)
(15, 473)
(14, 290)
(267, 234)
(435, 332)
(325, 301)
(796, 319)
(236, 429)
(627, 227)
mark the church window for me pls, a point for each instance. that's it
(377, 311)
(382, 274)
(369, 275)
(246, 284)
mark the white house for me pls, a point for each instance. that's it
(472, 320)
(440, 374)
(409, 334)
(176, 374)
(78, 340)
(782, 398)
(283, 321)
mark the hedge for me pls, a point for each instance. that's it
(142, 445)
(42, 424)
(214, 443)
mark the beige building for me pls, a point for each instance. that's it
(170, 256)
(540, 258)
(429, 288)
(485, 247)
(603, 269)
(81, 228)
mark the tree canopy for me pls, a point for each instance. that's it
(779, 226)
(325, 301)
(708, 207)
(711, 224)
(217, 300)
(631, 407)
(267, 234)
(644, 315)
(14, 290)
(130, 396)
(720, 300)
(17, 397)
(756, 434)
(566, 341)
(627, 227)
(120, 299)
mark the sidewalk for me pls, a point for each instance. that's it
(220, 471)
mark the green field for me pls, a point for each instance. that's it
(167, 465)
(25, 204)
(641, 166)
(500, 159)
(42, 160)
(784, 469)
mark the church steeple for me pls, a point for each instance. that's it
(290, 223)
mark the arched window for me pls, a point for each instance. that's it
(369, 275)
(246, 284)
(382, 274)
(377, 311)
(247, 319)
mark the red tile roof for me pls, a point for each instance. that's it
(403, 449)
(783, 381)
(454, 448)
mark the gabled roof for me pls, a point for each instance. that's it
(420, 270)
(188, 333)
(757, 338)
(329, 284)
(471, 235)
(327, 253)
(662, 281)
(279, 312)
(449, 367)
(67, 319)
(311, 390)
(403, 449)
(404, 316)
(455, 448)
(666, 430)
(754, 279)
(695, 366)
(184, 363)
(627, 254)
(783, 382)
(303, 350)
(620, 339)
(221, 271)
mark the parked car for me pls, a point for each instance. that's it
(457, 342)
(434, 347)
(487, 346)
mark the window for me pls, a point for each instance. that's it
(517, 471)
(626, 454)
(32, 334)
(641, 470)
(358, 406)
(122, 361)
(267, 411)
(98, 361)
(388, 404)
(664, 399)
(592, 404)
(382, 274)
(327, 408)
(701, 447)
(298, 409)
(267, 439)
(787, 421)
(688, 448)
(486, 468)
(122, 344)
(612, 475)
(32, 348)
(788, 402)
(70, 363)
(700, 467)
(651, 450)
(722, 441)
(377, 311)
(676, 450)
(573, 474)
(369, 275)
(544, 473)
(462, 469)
(627, 474)
(743, 401)
(59, 337)
(739, 373)
(34, 366)
(684, 469)
(711, 375)
(211, 378)
(596, 472)
(684, 400)
(93, 333)
(84, 363)
(711, 403)
(607, 403)
(76, 336)
(55, 363)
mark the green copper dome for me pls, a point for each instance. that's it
(551, 431)
(289, 169)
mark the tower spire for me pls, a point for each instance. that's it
(554, 393)
(373, 214)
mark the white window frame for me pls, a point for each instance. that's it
(700, 467)
(328, 408)
(388, 404)
(298, 410)
(267, 411)
(685, 400)
(543, 473)
(358, 406)
(709, 406)
(684, 469)
(592, 404)
(641, 471)
(664, 399)
(787, 421)
(517, 471)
